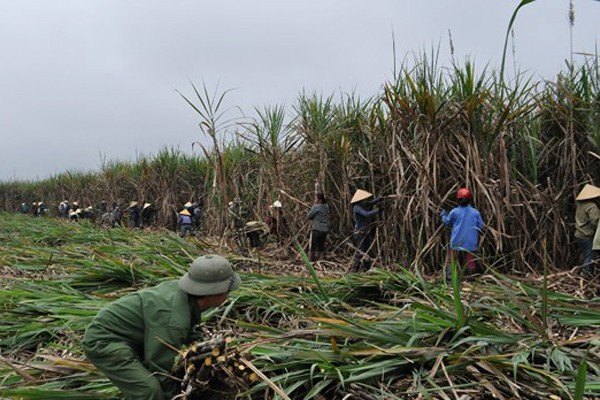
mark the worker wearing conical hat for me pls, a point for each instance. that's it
(41, 209)
(587, 215)
(364, 228)
(134, 214)
(276, 221)
(185, 223)
(134, 340)
(147, 214)
(24, 208)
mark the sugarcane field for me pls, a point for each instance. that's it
(340, 323)
(439, 239)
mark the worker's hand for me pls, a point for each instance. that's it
(444, 213)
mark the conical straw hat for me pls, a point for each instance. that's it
(588, 192)
(184, 212)
(146, 205)
(360, 195)
(133, 204)
(188, 204)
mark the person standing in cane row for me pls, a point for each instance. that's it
(466, 223)
(185, 223)
(134, 212)
(365, 217)
(115, 215)
(319, 214)
(276, 221)
(147, 215)
(587, 216)
(24, 208)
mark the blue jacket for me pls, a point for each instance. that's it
(466, 224)
(184, 220)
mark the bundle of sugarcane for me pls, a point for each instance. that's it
(209, 369)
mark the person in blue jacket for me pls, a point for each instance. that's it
(185, 223)
(466, 224)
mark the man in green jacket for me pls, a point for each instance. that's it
(132, 340)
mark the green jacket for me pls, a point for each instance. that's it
(144, 320)
(587, 216)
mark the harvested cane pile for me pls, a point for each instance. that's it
(209, 369)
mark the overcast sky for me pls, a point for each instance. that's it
(85, 80)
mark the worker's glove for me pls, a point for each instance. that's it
(444, 213)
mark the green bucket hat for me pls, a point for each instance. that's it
(209, 275)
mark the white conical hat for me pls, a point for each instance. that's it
(146, 205)
(187, 205)
(588, 192)
(133, 204)
(360, 195)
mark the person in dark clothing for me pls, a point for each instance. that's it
(24, 208)
(147, 214)
(134, 213)
(196, 215)
(41, 209)
(63, 209)
(134, 340)
(115, 215)
(88, 213)
(319, 214)
(364, 218)
(74, 215)
(103, 207)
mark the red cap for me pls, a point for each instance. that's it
(464, 193)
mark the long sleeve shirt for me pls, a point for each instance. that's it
(364, 217)
(184, 220)
(466, 224)
(145, 319)
(587, 216)
(319, 214)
